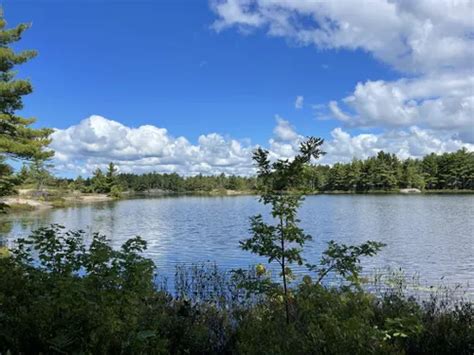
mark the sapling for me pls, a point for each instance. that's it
(279, 187)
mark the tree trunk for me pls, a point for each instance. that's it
(285, 289)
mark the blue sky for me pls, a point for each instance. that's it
(229, 68)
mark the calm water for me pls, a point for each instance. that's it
(429, 235)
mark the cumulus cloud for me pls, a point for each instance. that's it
(430, 42)
(444, 102)
(95, 141)
(413, 142)
(417, 36)
(285, 141)
(299, 102)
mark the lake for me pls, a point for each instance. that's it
(429, 235)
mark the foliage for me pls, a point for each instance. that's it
(36, 173)
(281, 188)
(18, 140)
(98, 182)
(173, 182)
(284, 241)
(8, 181)
(107, 183)
(344, 260)
(385, 172)
(59, 294)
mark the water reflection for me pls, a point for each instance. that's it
(429, 235)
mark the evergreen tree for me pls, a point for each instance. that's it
(411, 176)
(111, 176)
(386, 167)
(99, 182)
(78, 184)
(113, 187)
(430, 172)
(18, 139)
(338, 178)
(7, 179)
(463, 169)
(354, 175)
(39, 174)
(23, 173)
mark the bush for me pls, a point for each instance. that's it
(59, 295)
(116, 192)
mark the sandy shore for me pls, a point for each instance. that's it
(88, 198)
(28, 202)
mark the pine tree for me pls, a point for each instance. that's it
(111, 176)
(411, 176)
(79, 183)
(23, 173)
(113, 187)
(99, 182)
(18, 140)
(430, 170)
(7, 179)
(39, 174)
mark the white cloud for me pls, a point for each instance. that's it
(235, 12)
(299, 102)
(444, 102)
(416, 36)
(413, 142)
(337, 112)
(285, 141)
(96, 141)
(431, 41)
(283, 131)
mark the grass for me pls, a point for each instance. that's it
(92, 299)
(20, 207)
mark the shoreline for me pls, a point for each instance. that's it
(25, 203)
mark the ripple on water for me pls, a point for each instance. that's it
(429, 235)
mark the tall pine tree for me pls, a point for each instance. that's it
(18, 140)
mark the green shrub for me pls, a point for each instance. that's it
(59, 295)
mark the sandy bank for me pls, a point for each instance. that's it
(27, 202)
(88, 198)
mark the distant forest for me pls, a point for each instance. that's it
(383, 172)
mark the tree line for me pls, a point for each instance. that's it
(386, 172)
(383, 172)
